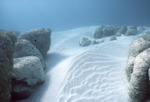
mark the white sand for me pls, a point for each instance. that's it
(84, 74)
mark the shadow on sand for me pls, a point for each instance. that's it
(53, 59)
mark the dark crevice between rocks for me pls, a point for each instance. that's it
(21, 84)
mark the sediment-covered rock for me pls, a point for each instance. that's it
(137, 69)
(139, 82)
(113, 38)
(40, 38)
(17, 33)
(139, 45)
(122, 30)
(105, 31)
(25, 48)
(7, 41)
(136, 47)
(27, 73)
(98, 32)
(132, 30)
(111, 30)
(84, 41)
(95, 42)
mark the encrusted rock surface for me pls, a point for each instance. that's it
(84, 41)
(7, 41)
(40, 38)
(25, 48)
(27, 73)
(137, 69)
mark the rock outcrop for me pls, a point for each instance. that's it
(25, 48)
(84, 41)
(132, 30)
(137, 46)
(105, 31)
(27, 73)
(122, 30)
(137, 69)
(7, 42)
(139, 81)
(17, 33)
(40, 38)
(29, 65)
(113, 38)
(95, 42)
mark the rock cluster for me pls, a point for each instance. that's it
(137, 69)
(27, 73)
(7, 43)
(29, 65)
(17, 33)
(106, 31)
(86, 41)
(40, 38)
(24, 48)
(132, 30)
(113, 38)
(111, 31)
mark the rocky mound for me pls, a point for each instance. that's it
(25, 48)
(110, 30)
(137, 70)
(22, 62)
(27, 73)
(40, 38)
(29, 65)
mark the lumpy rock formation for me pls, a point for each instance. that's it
(25, 48)
(40, 38)
(112, 30)
(84, 41)
(29, 62)
(26, 74)
(137, 70)
(7, 42)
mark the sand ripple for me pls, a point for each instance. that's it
(97, 75)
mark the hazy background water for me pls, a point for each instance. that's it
(23, 15)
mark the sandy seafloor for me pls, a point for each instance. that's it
(95, 73)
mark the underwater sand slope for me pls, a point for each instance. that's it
(84, 74)
(97, 75)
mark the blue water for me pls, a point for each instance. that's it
(23, 15)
